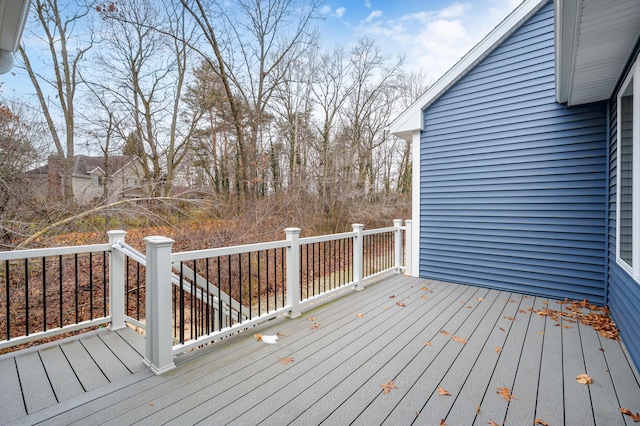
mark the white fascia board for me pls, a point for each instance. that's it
(410, 120)
(566, 38)
(13, 17)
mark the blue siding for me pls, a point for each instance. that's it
(624, 292)
(513, 184)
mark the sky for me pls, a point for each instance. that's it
(432, 34)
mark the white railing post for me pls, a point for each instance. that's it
(293, 274)
(407, 250)
(116, 281)
(358, 249)
(397, 223)
(159, 342)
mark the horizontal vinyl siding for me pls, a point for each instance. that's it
(623, 291)
(513, 184)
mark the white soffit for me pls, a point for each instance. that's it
(410, 120)
(13, 16)
(595, 39)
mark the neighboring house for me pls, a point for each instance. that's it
(527, 160)
(93, 179)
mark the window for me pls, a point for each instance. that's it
(628, 176)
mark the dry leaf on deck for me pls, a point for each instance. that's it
(502, 329)
(477, 409)
(386, 387)
(492, 423)
(506, 393)
(442, 423)
(510, 300)
(635, 417)
(584, 379)
(392, 296)
(562, 325)
(479, 299)
(424, 296)
(428, 343)
(539, 421)
(540, 332)
(360, 315)
(401, 304)
(522, 311)
(425, 289)
(509, 318)
(286, 360)
(498, 350)
(315, 326)
(469, 307)
(311, 319)
(445, 333)
(459, 339)
(442, 391)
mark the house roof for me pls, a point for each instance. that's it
(410, 120)
(595, 39)
(13, 16)
(590, 53)
(85, 165)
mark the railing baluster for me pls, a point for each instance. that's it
(104, 284)
(240, 285)
(44, 293)
(181, 294)
(26, 294)
(250, 289)
(229, 281)
(8, 298)
(91, 286)
(266, 255)
(219, 297)
(75, 272)
(60, 289)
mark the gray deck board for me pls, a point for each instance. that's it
(11, 403)
(63, 380)
(36, 388)
(338, 368)
(527, 378)
(84, 366)
(575, 394)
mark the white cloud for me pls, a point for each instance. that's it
(367, 4)
(340, 12)
(325, 10)
(373, 15)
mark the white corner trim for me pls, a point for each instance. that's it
(415, 204)
(411, 119)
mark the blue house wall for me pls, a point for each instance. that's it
(624, 292)
(513, 184)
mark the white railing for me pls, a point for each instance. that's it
(196, 297)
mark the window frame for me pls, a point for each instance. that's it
(632, 79)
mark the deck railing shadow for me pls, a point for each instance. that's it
(182, 301)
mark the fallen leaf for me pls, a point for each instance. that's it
(526, 297)
(510, 300)
(392, 296)
(385, 307)
(459, 339)
(477, 409)
(584, 379)
(151, 404)
(498, 350)
(601, 350)
(315, 326)
(492, 423)
(445, 333)
(311, 319)
(506, 393)
(428, 343)
(509, 318)
(540, 332)
(386, 387)
(442, 391)
(502, 329)
(401, 304)
(359, 314)
(286, 360)
(479, 299)
(522, 311)
(424, 296)
(562, 325)
(425, 289)
(469, 307)
(442, 423)
(539, 421)
(635, 417)
(463, 301)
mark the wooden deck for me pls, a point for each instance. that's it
(330, 363)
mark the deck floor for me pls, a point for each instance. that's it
(328, 366)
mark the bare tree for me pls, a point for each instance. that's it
(60, 26)
(251, 44)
